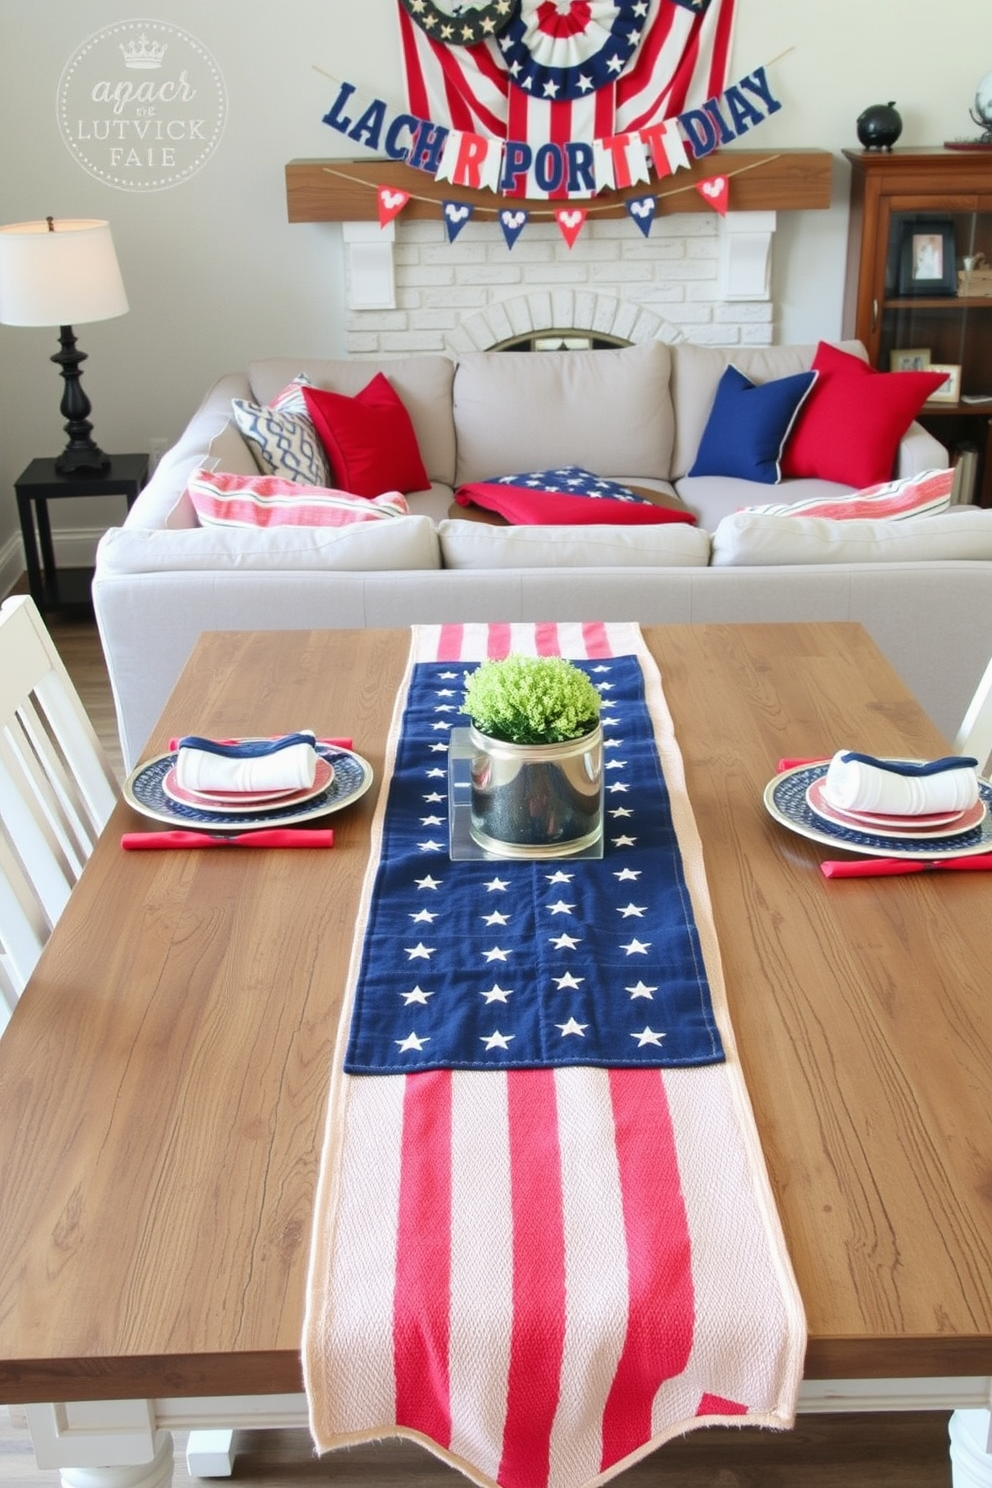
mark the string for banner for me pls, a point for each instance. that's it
(566, 203)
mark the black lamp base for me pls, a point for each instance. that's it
(81, 455)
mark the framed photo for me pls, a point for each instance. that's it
(909, 359)
(949, 391)
(927, 263)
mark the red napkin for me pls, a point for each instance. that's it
(793, 764)
(886, 867)
(265, 837)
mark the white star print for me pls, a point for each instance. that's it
(447, 708)
(412, 1041)
(568, 980)
(647, 1036)
(496, 918)
(632, 911)
(445, 692)
(571, 1027)
(612, 743)
(496, 954)
(417, 995)
(636, 947)
(420, 952)
(434, 773)
(615, 765)
(640, 990)
(496, 885)
(444, 724)
(439, 749)
(429, 846)
(424, 916)
(560, 907)
(497, 1040)
(431, 821)
(434, 796)
(559, 877)
(497, 993)
(628, 873)
(604, 686)
(564, 942)
(428, 883)
(448, 676)
(617, 785)
(600, 668)
(623, 841)
(620, 811)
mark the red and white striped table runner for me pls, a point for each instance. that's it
(542, 1275)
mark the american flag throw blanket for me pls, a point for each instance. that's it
(542, 1274)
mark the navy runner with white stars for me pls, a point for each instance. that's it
(490, 965)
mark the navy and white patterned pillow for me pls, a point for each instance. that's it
(282, 436)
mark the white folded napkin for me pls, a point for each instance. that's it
(860, 782)
(251, 766)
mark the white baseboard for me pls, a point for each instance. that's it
(75, 547)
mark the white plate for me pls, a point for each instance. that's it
(238, 803)
(785, 800)
(143, 790)
(950, 824)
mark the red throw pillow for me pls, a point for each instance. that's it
(369, 439)
(849, 428)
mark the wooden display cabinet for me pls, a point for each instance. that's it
(916, 217)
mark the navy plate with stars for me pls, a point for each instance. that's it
(526, 965)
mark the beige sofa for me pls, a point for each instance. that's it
(922, 588)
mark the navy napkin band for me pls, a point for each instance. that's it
(904, 767)
(248, 748)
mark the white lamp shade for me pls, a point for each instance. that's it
(60, 276)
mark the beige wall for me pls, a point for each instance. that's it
(214, 272)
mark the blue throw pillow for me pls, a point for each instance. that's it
(749, 425)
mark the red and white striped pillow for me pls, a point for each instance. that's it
(921, 495)
(224, 500)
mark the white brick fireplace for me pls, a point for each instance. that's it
(697, 277)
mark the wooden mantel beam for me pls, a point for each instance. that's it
(760, 181)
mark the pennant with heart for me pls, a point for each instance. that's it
(391, 202)
(570, 222)
(513, 224)
(715, 191)
(456, 214)
(641, 210)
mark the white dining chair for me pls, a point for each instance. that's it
(975, 734)
(57, 789)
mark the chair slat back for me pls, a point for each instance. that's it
(56, 790)
(975, 734)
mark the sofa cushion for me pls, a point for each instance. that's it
(405, 543)
(749, 539)
(749, 425)
(850, 426)
(222, 499)
(423, 383)
(472, 545)
(283, 442)
(916, 496)
(696, 373)
(566, 495)
(369, 439)
(604, 410)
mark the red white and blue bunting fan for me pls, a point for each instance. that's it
(565, 49)
(461, 22)
(455, 214)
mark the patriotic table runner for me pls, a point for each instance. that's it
(541, 1274)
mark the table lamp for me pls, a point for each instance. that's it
(63, 272)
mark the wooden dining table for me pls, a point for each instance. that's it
(164, 1077)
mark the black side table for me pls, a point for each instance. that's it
(41, 483)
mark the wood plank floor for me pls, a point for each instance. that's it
(877, 1451)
